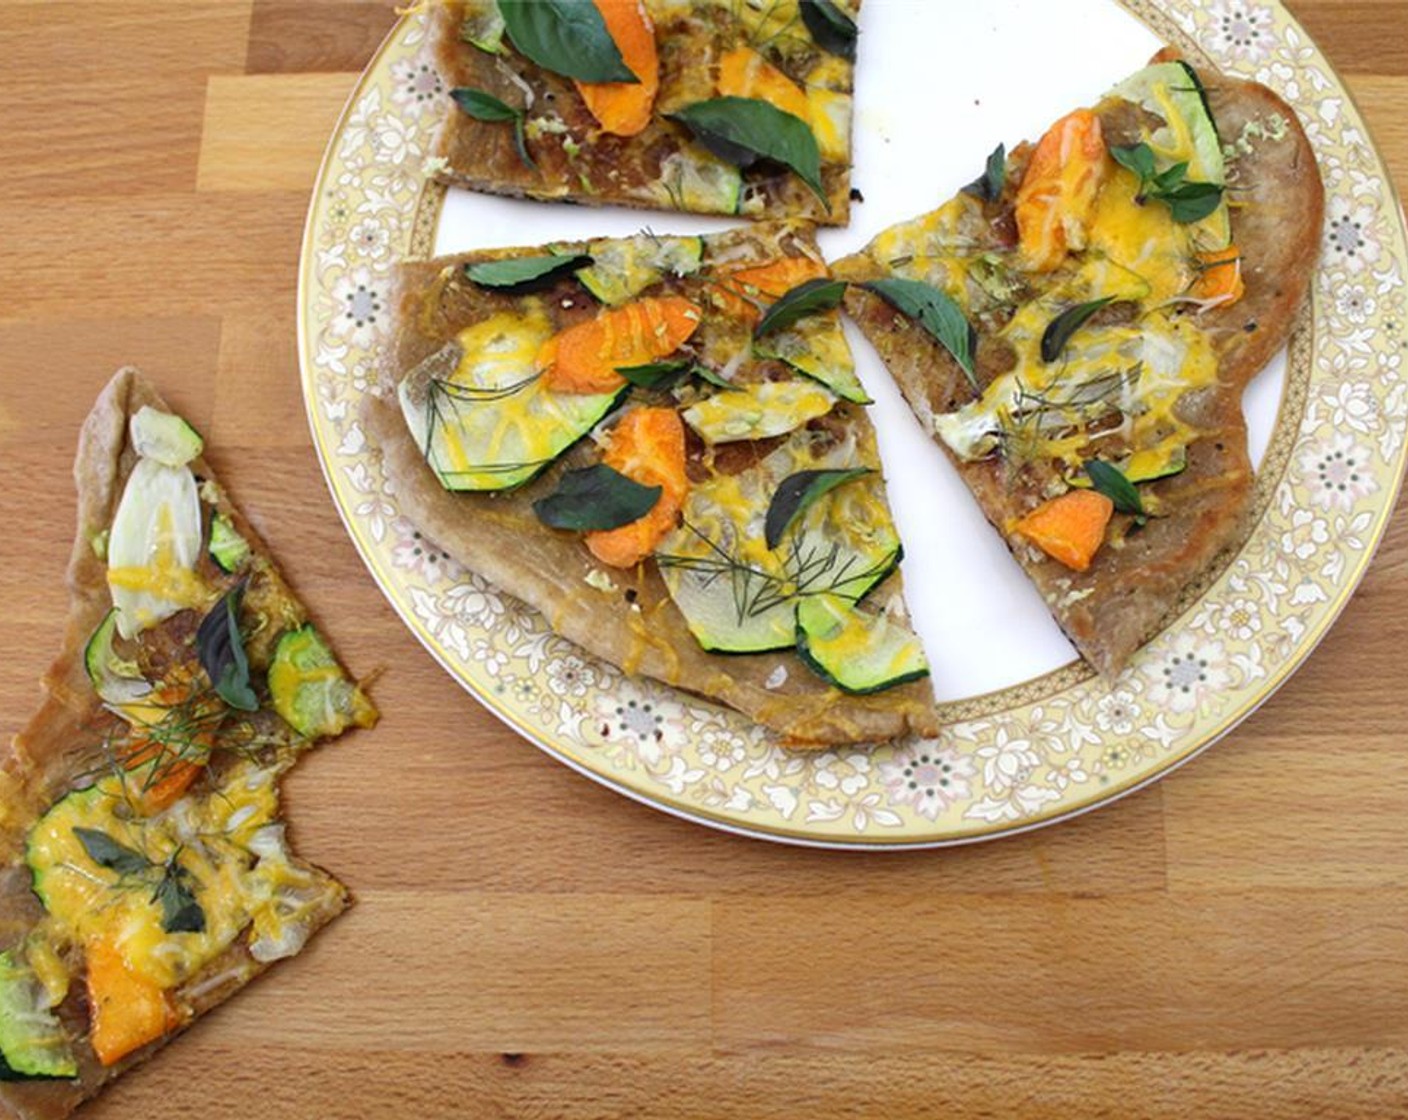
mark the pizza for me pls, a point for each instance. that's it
(661, 444)
(707, 106)
(147, 872)
(1077, 326)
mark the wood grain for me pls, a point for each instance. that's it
(1232, 942)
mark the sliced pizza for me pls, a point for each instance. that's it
(1077, 326)
(148, 873)
(706, 106)
(661, 444)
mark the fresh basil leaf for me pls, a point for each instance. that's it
(1058, 332)
(522, 272)
(988, 186)
(1137, 158)
(484, 106)
(655, 375)
(1193, 202)
(596, 497)
(106, 852)
(808, 298)
(568, 37)
(1111, 481)
(744, 130)
(833, 30)
(221, 651)
(488, 108)
(937, 313)
(180, 910)
(797, 493)
(1170, 177)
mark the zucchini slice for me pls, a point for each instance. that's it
(227, 548)
(769, 408)
(166, 438)
(623, 267)
(696, 180)
(309, 689)
(115, 680)
(483, 26)
(480, 413)
(816, 346)
(739, 596)
(33, 1046)
(855, 650)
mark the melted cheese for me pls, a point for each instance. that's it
(214, 839)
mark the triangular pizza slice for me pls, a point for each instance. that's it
(1077, 326)
(148, 873)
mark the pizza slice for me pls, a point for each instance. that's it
(148, 875)
(661, 444)
(1077, 326)
(705, 106)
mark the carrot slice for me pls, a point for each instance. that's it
(584, 358)
(624, 108)
(1069, 528)
(1056, 201)
(739, 291)
(746, 73)
(647, 446)
(1219, 276)
(128, 1010)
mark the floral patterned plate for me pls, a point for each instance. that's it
(1031, 736)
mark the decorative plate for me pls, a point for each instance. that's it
(1031, 735)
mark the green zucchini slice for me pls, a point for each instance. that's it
(769, 408)
(857, 651)
(227, 547)
(816, 346)
(739, 596)
(309, 689)
(33, 1046)
(166, 438)
(481, 414)
(115, 679)
(623, 267)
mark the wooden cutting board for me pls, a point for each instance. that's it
(1232, 942)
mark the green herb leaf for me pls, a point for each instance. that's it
(655, 375)
(221, 651)
(833, 30)
(180, 911)
(106, 852)
(486, 107)
(1058, 332)
(797, 493)
(1193, 202)
(596, 497)
(1137, 158)
(937, 313)
(523, 272)
(808, 298)
(744, 130)
(1187, 202)
(988, 186)
(1111, 481)
(568, 37)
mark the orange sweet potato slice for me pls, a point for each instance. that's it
(128, 1010)
(738, 292)
(584, 358)
(1056, 201)
(624, 108)
(647, 446)
(1219, 276)
(1069, 528)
